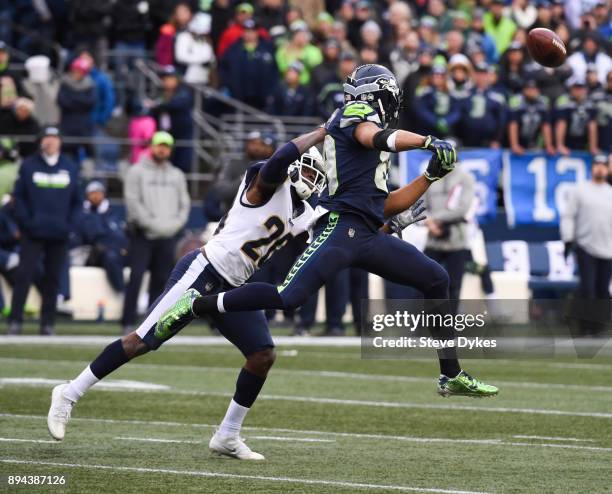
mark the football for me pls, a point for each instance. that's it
(546, 47)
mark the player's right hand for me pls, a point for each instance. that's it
(443, 150)
(436, 169)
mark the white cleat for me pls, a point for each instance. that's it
(234, 447)
(59, 412)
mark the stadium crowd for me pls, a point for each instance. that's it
(463, 67)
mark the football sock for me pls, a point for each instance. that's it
(449, 366)
(232, 422)
(111, 358)
(248, 386)
(80, 385)
(252, 296)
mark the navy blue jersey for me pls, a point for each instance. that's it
(356, 176)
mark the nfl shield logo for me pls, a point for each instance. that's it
(351, 232)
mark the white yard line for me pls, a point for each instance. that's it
(560, 446)
(313, 373)
(548, 438)
(267, 438)
(384, 437)
(223, 475)
(17, 440)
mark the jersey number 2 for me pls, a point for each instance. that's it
(276, 228)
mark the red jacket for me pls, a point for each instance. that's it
(164, 46)
(232, 34)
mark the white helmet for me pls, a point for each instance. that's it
(307, 174)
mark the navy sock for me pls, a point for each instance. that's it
(252, 296)
(111, 358)
(248, 386)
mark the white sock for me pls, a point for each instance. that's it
(232, 422)
(80, 385)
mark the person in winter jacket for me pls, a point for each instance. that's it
(77, 99)
(233, 33)
(173, 114)
(249, 59)
(47, 205)
(164, 46)
(193, 50)
(101, 228)
(291, 98)
(22, 123)
(157, 205)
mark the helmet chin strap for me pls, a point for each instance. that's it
(301, 189)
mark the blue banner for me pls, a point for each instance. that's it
(484, 164)
(537, 186)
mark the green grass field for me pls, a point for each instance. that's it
(327, 421)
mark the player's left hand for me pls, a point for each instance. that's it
(412, 215)
(443, 150)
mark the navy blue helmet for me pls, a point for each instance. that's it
(377, 86)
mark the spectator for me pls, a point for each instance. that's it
(77, 100)
(460, 82)
(575, 125)
(499, 25)
(428, 31)
(24, 125)
(483, 122)
(552, 81)
(301, 49)
(130, 25)
(244, 12)
(404, 57)
(173, 114)
(162, 10)
(10, 86)
(157, 207)
(194, 51)
(603, 105)
(478, 38)
(437, 10)
(371, 37)
(586, 228)
(327, 70)
(543, 15)
(105, 92)
(453, 43)
(250, 59)
(258, 146)
(435, 109)
(221, 14)
(324, 28)
(141, 128)
(9, 244)
(9, 165)
(590, 54)
(368, 55)
(47, 205)
(90, 22)
(513, 69)
(164, 46)
(409, 119)
(101, 228)
(42, 87)
(361, 13)
(448, 202)
(331, 95)
(271, 14)
(529, 119)
(290, 97)
(524, 13)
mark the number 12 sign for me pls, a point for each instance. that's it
(537, 186)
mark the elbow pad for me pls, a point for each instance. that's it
(385, 140)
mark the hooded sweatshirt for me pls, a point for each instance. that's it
(156, 198)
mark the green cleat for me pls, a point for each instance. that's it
(465, 385)
(176, 317)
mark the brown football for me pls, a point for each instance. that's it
(546, 47)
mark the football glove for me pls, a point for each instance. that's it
(411, 215)
(444, 150)
(436, 169)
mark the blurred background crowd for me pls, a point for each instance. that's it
(109, 84)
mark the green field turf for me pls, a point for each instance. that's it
(327, 421)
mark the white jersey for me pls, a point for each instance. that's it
(248, 234)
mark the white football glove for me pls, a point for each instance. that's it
(412, 215)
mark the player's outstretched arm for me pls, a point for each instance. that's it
(370, 135)
(274, 172)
